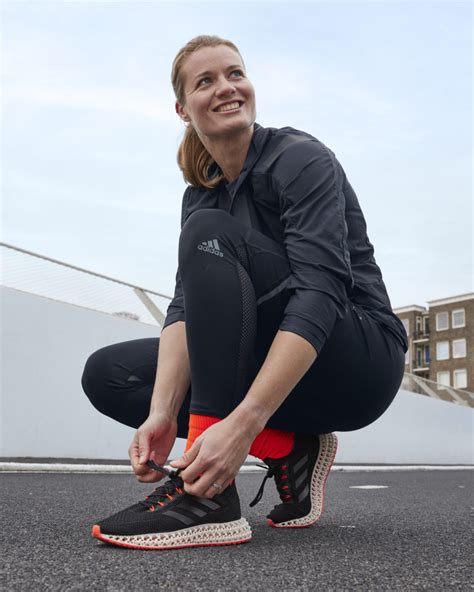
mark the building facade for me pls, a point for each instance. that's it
(441, 341)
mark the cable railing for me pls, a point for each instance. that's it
(37, 274)
(43, 276)
(430, 388)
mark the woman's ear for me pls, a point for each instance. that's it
(181, 112)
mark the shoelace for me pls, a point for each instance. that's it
(281, 483)
(166, 491)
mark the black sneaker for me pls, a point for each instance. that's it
(170, 518)
(300, 479)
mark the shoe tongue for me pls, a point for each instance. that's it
(173, 483)
(167, 487)
(274, 463)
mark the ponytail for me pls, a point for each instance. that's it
(195, 161)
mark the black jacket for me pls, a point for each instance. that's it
(293, 189)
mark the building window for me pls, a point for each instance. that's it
(407, 356)
(458, 318)
(442, 378)
(419, 357)
(418, 325)
(426, 325)
(460, 378)
(427, 355)
(459, 348)
(442, 321)
(442, 350)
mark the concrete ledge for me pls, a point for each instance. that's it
(16, 467)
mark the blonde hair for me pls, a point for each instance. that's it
(193, 158)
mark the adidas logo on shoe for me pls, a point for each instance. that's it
(211, 246)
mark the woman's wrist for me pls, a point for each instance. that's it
(169, 408)
(248, 419)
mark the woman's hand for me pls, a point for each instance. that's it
(153, 440)
(215, 457)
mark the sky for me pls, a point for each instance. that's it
(89, 133)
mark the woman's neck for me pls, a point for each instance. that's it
(229, 152)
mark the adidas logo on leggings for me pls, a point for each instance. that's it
(211, 246)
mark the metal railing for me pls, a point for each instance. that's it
(430, 388)
(424, 363)
(420, 335)
(37, 274)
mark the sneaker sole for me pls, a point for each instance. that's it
(203, 535)
(322, 468)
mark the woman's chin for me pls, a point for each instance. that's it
(231, 125)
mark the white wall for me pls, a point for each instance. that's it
(45, 344)
(415, 429)
(45, 413)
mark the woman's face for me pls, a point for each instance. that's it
(219, 98)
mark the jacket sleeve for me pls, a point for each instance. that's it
(312, 207)
(175, 311)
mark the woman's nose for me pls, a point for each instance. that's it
(225, 87)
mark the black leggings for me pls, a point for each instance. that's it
(234, 305)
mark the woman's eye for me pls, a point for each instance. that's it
(207, 79)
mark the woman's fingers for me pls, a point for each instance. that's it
(193, 467)
(143, 473)
(143, 441)
(150, 477)
(186, 459)
(213, 459)
(212, 491)
(193, 471)
(200, 476)
(134, 454)
(205, 485)
(138, 450)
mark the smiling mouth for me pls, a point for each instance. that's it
(229, 107)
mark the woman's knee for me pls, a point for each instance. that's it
(96, 373)
(205, 218)
(202, 226)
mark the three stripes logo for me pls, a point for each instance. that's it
(188, 510)
(211, 246)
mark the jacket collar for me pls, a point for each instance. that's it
(257, 144)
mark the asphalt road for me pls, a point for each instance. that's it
(412, 535)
